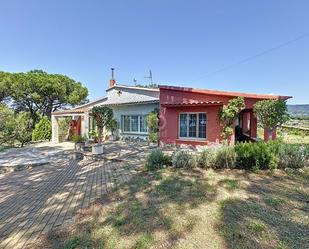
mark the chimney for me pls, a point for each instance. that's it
(112, 81)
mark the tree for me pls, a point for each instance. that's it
(112, 125)
(7, 125)
(14, 126)
(228, 114)
(153, 125)
(103, 115)
(4, 86)
(23, 129)
(271, 113)
(42, 130)
(38, 92)
(151, 85)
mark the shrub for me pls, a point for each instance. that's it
(257, 155)
(207, 158)
(42, 130)
(23, 129)
(183, 159)
(153, 137)
(225, 157)
(153, 125)
(78, 139)
(293, 156)
(156, 160)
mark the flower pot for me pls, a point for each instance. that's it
(97, 149)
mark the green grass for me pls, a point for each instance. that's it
(257, 226)
(71, 244)
(296, 139)
(286, 137)
(197, 209)
(274, 202)
(230, 184)
(145, 241)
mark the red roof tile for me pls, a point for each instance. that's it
(194, 103)
(224, 93)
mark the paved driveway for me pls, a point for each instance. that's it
(34, 201)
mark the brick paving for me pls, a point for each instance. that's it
(36, 200)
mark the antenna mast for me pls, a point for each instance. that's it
(150, 77)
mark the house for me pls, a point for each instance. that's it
(130, 106)
(190, 116)
(187, 115)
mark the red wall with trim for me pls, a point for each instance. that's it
(169, 117)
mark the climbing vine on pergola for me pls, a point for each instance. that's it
(228, 114)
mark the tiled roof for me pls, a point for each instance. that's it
(71, 111)
(195, 103)
(224, 93)
(136, 95)
(130, 99)
(134, 88)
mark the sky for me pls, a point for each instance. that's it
(185, 43)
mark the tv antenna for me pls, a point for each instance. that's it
(149, 77)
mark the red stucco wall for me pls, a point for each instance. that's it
(169, 117)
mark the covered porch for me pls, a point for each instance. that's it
(246, 128)
(78, 124)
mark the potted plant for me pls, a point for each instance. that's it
(103, 115)
(93, 134)
(79, 142)
(112, 127)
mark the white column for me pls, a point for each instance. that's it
(54, 124)
(85, 125)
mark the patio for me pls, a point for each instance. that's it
(35, 200)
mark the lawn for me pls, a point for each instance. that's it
(287, 137)
(195, 209)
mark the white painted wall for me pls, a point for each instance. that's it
(141, 109)
(54, 124)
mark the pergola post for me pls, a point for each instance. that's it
(54, 124)
(269, 134)
(85, 125)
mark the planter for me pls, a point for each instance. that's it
(97, 149)
(79, 146)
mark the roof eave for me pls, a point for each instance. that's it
(224, 93)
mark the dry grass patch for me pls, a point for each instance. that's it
(196, 209)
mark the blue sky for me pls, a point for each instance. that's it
(182, 42)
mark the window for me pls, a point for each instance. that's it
(192, 125)
(143, 124)
(134, 123)
(183, 125)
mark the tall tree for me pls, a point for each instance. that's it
(5, 80)
(38, 92)
(271, 113)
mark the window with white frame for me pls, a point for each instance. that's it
(192, 125)
(134, 123)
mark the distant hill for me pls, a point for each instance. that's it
(299, 110)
